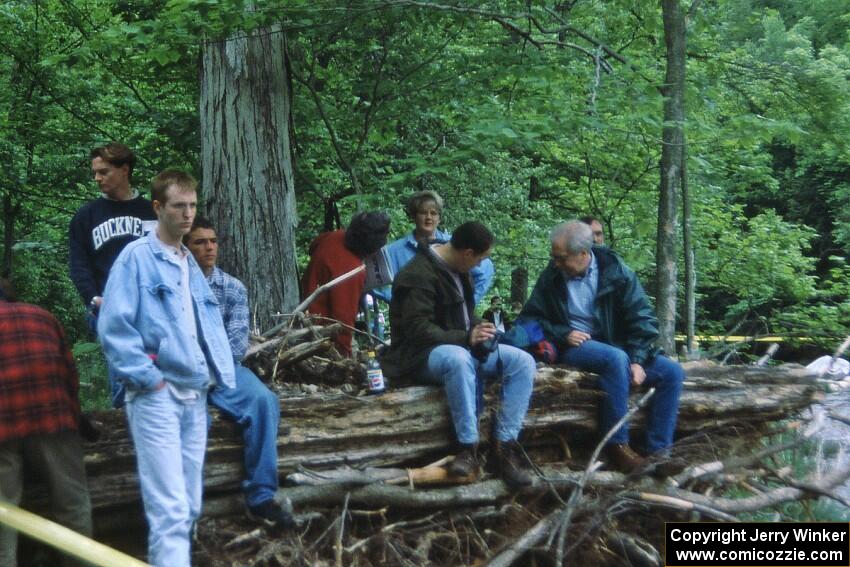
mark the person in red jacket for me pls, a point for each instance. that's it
(335, 253)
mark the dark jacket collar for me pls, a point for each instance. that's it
(425, 250)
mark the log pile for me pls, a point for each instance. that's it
(410, 426)
(379, 457)
(571, 515)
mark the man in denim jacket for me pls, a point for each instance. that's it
(164, 339)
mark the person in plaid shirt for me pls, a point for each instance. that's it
(39, 417)
(250, 404)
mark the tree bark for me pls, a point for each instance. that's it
(690, 268)
(412, 425)
(672, 159)
(519, 285)
(9, 216)
(248, 189)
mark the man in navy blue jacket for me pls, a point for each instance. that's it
(102, 228)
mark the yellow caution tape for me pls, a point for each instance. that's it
(63, 539)
(741, 339)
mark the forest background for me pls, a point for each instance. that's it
(521, 114)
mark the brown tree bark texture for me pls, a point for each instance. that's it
(248, 189)
(413, 424)
(672, 165)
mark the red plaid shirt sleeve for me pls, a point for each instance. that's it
(39, 385)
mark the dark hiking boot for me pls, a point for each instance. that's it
(666, 466)
(512, 464)
(272, 514)
(623, 458)
(465, 462)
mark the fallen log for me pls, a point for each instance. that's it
(412, 425)
(415, 477)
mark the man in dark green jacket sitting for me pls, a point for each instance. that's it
(593, 308)
(436, 337)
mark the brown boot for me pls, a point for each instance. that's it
(513, 465)
(664, 466)
(465, 462)
(623, 458)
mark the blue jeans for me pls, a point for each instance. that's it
(170, 437)
(613, 367)
(455, 368)
(257, 411)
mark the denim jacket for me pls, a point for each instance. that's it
(138, 323)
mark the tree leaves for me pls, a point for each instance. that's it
(470, 100)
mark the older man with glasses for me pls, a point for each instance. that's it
(592, 306)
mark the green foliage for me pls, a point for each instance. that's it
(94, 383)
(762, 265)
(511, 123)
(825, 317)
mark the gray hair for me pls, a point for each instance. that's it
(576, 236)
(415, 201)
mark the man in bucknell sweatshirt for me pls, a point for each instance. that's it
(102, 228)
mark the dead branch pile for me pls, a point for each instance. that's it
(301, 351)
(324, 428)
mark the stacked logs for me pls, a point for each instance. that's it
(411, 426)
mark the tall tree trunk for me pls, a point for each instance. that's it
(672, 159)
(519, 285)
(9, 215)
(687, 243)
(248, 189)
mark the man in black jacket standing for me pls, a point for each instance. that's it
(437, 337)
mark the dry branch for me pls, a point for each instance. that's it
(303, 350)
(528, 540)
(425, 476)
(292, 337)
(823, 485)
(326, 286)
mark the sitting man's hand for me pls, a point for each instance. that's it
(481, 332)
(638, 374)
(576, 338)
